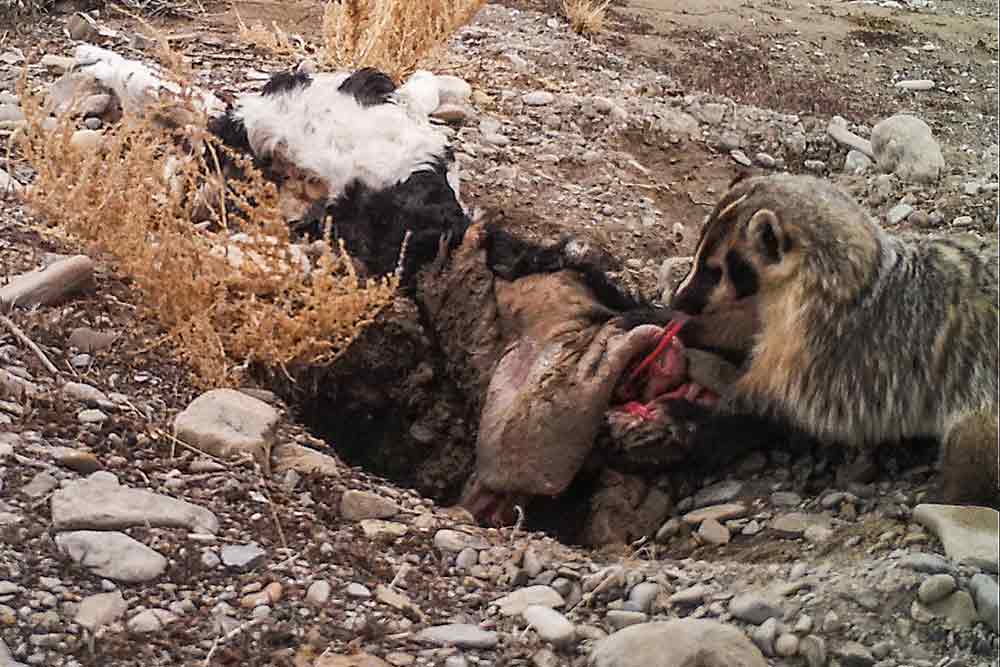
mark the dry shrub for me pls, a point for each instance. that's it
(275, 40)
(586, 17)
(391, 35)
(223, 313)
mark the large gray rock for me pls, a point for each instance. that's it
(462, 635)
(100, 502)
(968, 534)
(227, 423)
(905, 146)
(679, 643)
(112, 555)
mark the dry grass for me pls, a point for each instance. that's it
(586, 17)
(394, 36)
(273, 39)
(223, 313)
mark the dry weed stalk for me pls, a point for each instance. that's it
(275, 40)
(225, 304)
(586, 17)
(394, 36)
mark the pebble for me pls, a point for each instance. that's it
(717, 494)
(785, 498)
(356, 590)
(713, 532)
(358, 505)
(538, 98)
(925, 562)
(318, 593)
(717, 512)
(962, 221)
(644, 595)
(986, 593)
(455, 541)
(690, 596)
(832, 622)
(150, 620)
(550, 625)
(620, 618)
(857, 163)
(462, 635)
(98, 610)
(936, 587)
(791, 525)
(765, 160)
(754, 608)
(898, 213)
(904, 144)
(787, 645)
(958, 609)
(91, 416)
(739, 157)
(915, 84)
(815, 166)
(242, 556)
(516, 602)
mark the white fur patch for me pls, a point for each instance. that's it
(327, 132)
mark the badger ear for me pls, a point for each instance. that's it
(768, 235)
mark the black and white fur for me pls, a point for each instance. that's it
(388, 170)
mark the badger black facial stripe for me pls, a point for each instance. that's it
(286, 82)
(742, 275)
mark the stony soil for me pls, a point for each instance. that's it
(631, 149)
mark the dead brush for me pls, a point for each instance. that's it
(394, 36)
(225, 304)
(586, 17)
(273, 39)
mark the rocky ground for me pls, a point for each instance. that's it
(122, 544)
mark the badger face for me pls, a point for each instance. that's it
(746, 250)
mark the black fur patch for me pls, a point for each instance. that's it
(286, 82)
(231, 131)
(767, 243)
(374, 223)
(742, 275)
(368, 86)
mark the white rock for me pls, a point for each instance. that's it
(754, 607)
(713, 532)
(85, 393)
(904, 145)
(462, 635)
(318, 593)
(228, 423)
(969, 534)
(915, 84)
(857, 163)
(100, 502)
(150, 620)
(538, 98)
(86, 141)
(676, 643)
(516, 602)
(421, 92)
(50, 285)
(101, 609)
(898, 213)
(550, 625)
(936, 587)
(112, 555)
